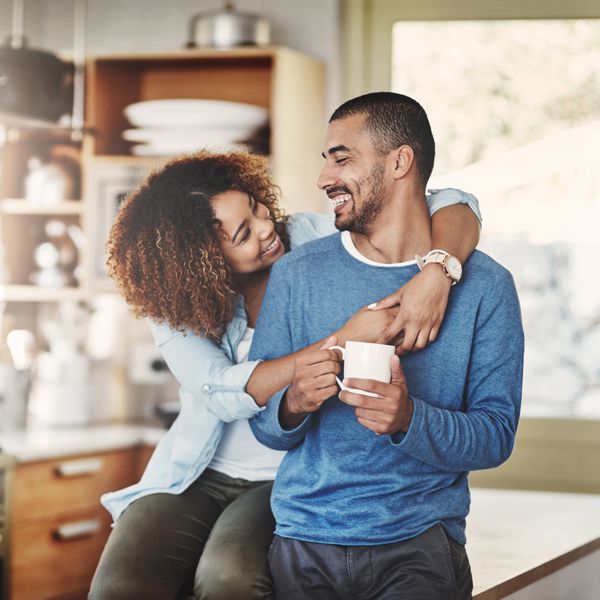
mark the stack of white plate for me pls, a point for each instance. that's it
(166, 127)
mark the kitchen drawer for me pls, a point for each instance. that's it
(57, 556)
(57, 486)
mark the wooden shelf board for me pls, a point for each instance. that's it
(32, 293)
(18, 206)
(131, 159)
(191, 54)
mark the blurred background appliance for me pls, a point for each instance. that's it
(57, 257)
(15, 380)
(61, 394)
(227, 28)
(37, 87)
(47, 182)
(33, 83)
(148, 370)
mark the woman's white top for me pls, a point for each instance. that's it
(239, 454)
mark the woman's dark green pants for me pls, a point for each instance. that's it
(212, 539)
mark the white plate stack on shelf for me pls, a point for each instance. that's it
(177, 126)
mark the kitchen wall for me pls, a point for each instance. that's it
(114, 26)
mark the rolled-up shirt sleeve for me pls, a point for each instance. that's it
(438, 199)
(204, 370)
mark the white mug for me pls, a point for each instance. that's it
(363, 360)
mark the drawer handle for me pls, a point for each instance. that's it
(77, 529)
(83, 466)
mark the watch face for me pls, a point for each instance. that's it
(454, 268)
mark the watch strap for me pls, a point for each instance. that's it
(437, 256)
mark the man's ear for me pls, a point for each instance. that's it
(403, 158)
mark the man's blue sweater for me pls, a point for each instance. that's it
(339, 482)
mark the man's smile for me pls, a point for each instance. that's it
(339, 198)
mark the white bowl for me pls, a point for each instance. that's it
(175, 149)
(188, 135)
(196, 113)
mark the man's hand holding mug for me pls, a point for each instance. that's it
(375, 385)
(388, 408)
(314, 381)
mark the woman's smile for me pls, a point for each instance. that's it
(248, 238)
(272, 248)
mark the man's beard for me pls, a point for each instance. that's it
(371, 188)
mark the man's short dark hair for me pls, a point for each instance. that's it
(394, 120)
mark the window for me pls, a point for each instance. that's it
(515, 109)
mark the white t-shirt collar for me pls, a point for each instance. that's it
(353, 251)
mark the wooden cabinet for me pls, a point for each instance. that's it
(58, 527)
(287, 83)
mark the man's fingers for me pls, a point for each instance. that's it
(410, 337)
(325, 381)
(319, 356)
(360, 400)
(398, 376)
(384, 421)
(326, 393)
(392, 331)
(374, 426)
(356, 399)
(323, 368)
(422, 339)
(433, 334)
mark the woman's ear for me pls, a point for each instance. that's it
(403, 158)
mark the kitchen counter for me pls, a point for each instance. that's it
(41, 444)
(518, 538)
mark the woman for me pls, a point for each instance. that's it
(191, 251)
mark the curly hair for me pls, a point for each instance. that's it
(163, 250)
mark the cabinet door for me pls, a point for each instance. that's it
(57, 556)
(59, 486)
(58, 528)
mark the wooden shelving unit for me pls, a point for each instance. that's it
(19, 206)
(34, 293)
(287, 83)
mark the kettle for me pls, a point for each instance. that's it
(226, 29)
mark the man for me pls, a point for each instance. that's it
(371, 499)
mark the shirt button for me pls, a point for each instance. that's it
(206, 387)
(433, 191)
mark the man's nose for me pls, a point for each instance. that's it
(326, 179)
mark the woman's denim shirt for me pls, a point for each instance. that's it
(212, 384)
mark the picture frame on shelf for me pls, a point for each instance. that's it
(108, 183)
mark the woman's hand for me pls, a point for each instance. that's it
(421, 307)
(367, 325)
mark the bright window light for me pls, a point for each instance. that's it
(515, 110)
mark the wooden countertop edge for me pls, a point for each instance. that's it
(528, 577)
